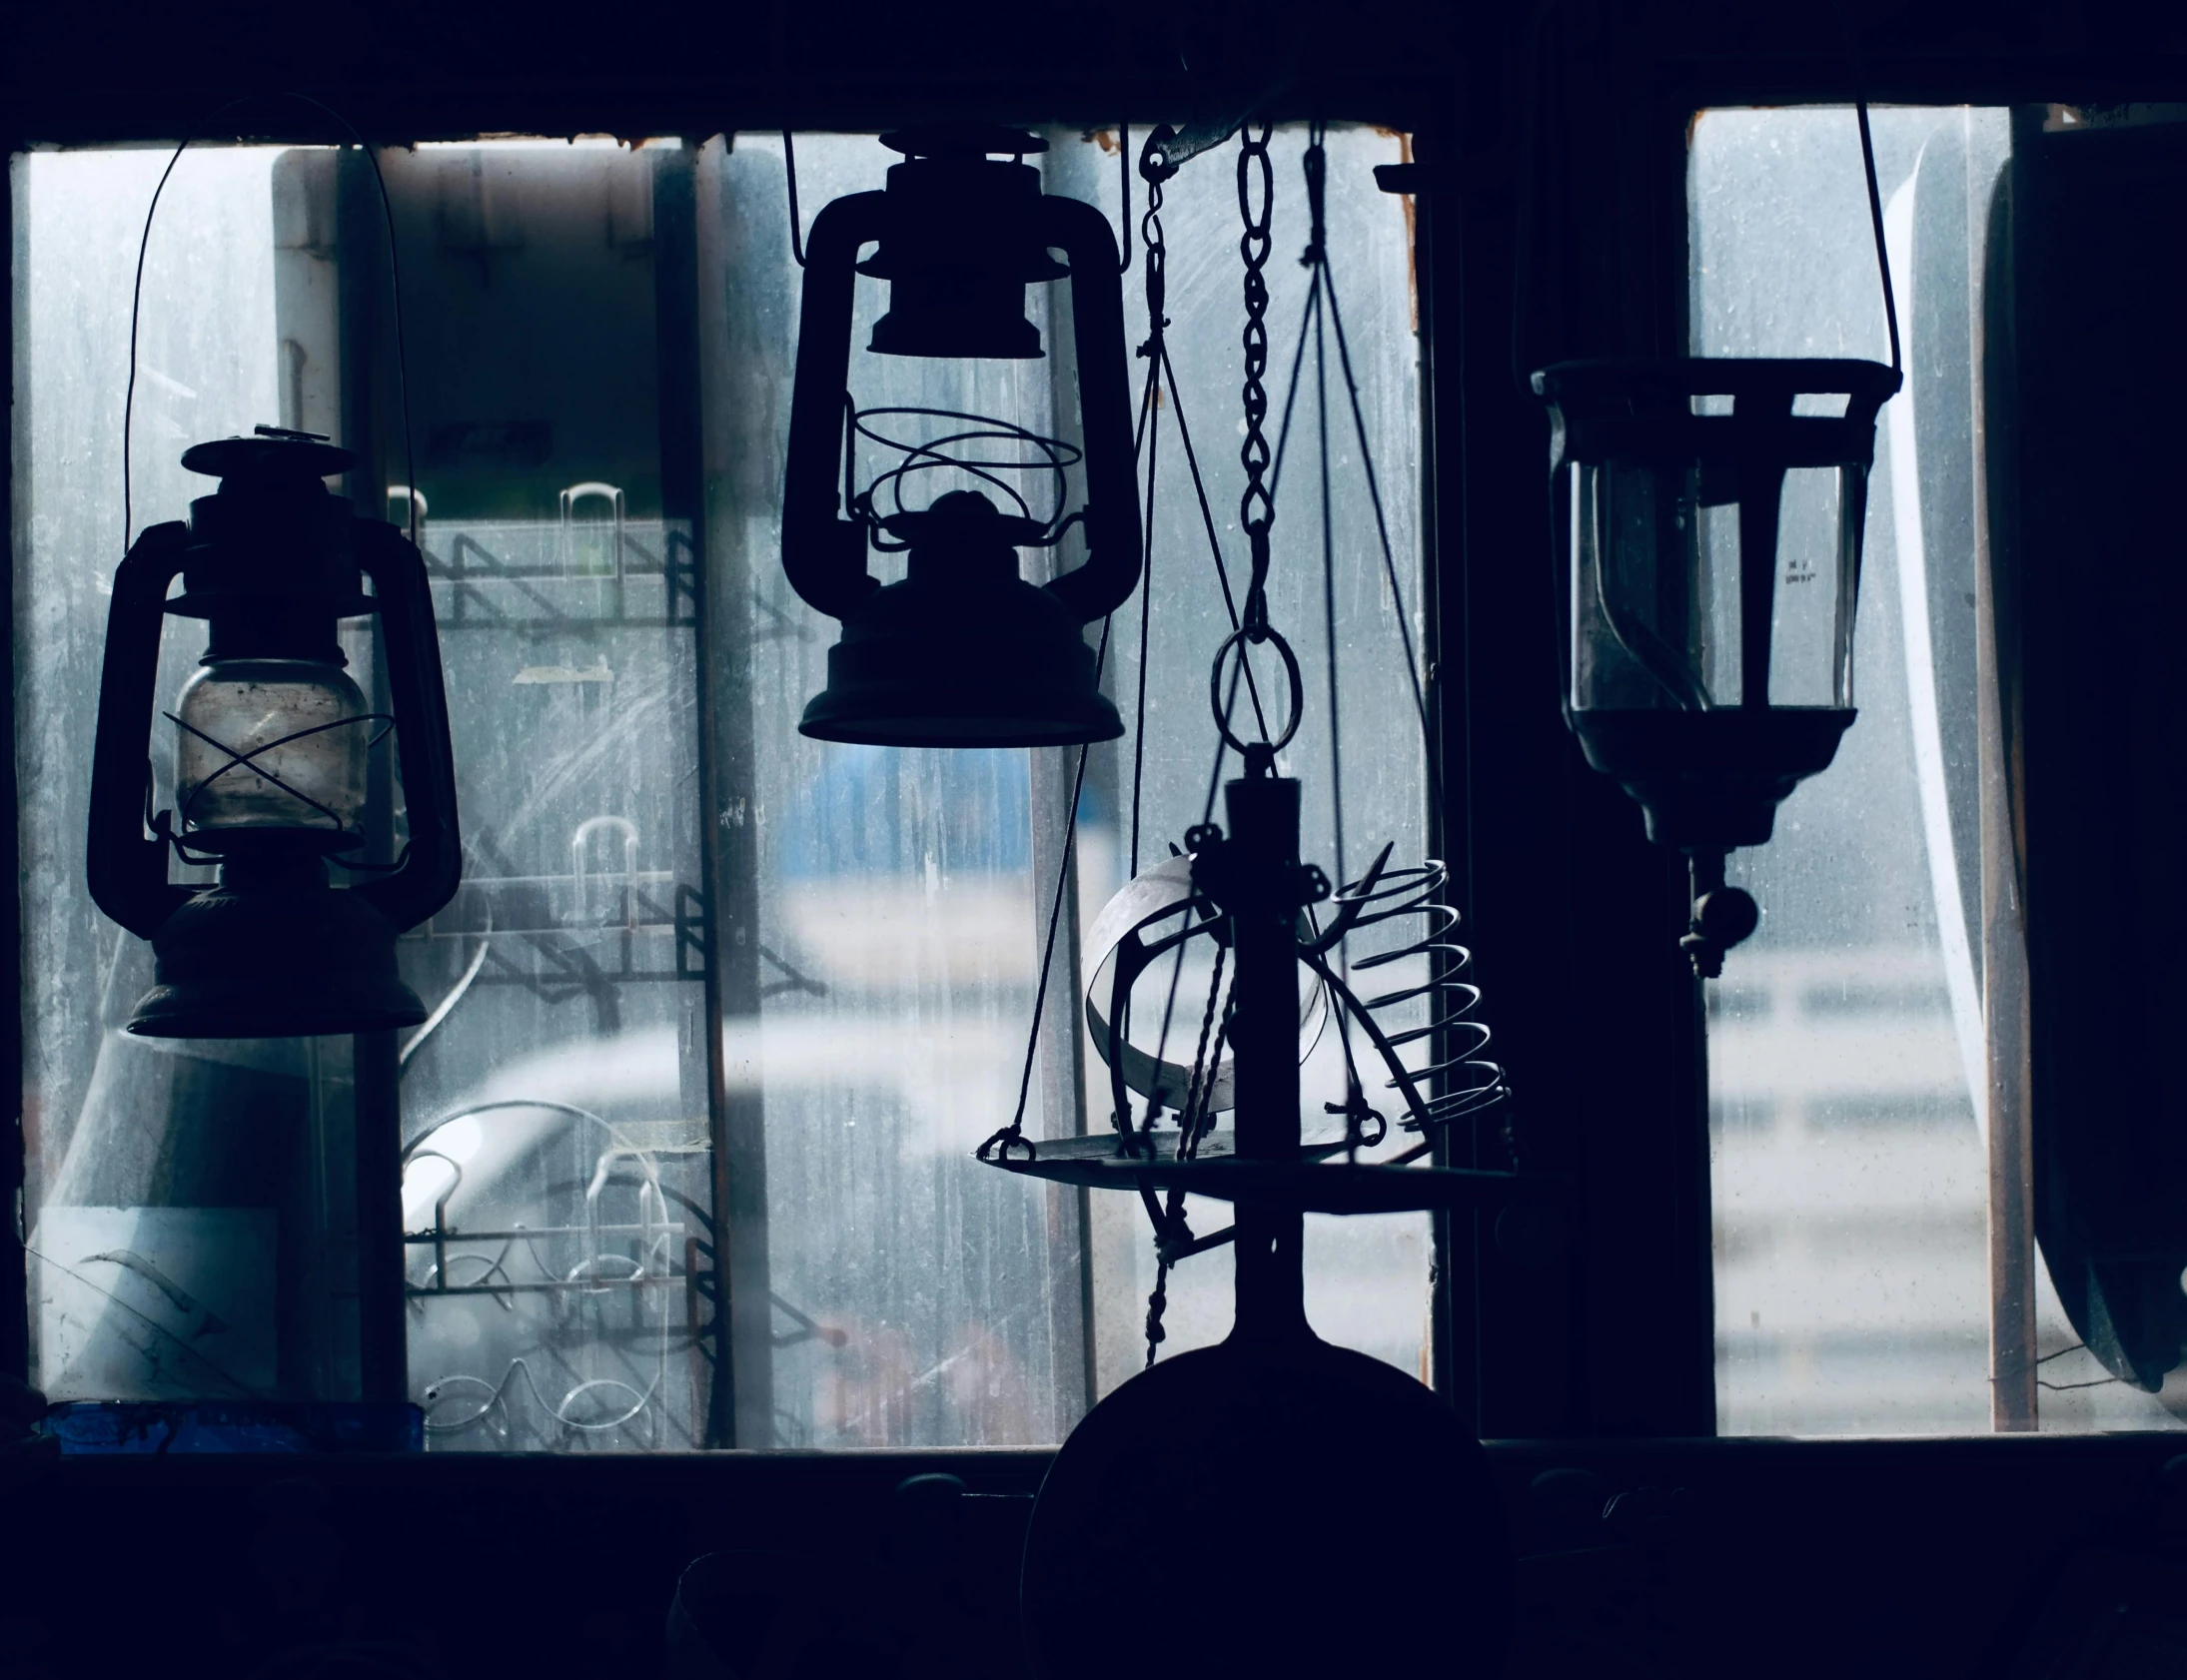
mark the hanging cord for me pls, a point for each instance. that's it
(1529, 145)
(1382, 523)
(1163, 391)
(1316, 165)
(1150, 403)
(1855, 61)
(395, 283)
(1013, 1135)
(1875, 219)
(796, 221)
(1155, 169)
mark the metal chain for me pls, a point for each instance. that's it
(1198, 1097)
(1153, 166)
(1195, 1118)
(1256, 508)
(1156, 247)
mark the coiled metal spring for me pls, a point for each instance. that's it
(1458, 1080)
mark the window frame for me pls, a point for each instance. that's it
(1573, 918)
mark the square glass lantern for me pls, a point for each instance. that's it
(1709, 519)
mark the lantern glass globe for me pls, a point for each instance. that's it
(301, 726)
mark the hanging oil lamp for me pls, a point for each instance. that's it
(964, 651)
(1708, 520)
(272, 738)
(1708, 517)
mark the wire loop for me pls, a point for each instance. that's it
(1043, 454)
(1241, 640)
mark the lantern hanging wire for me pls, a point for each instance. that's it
(271, 948)
(395, 287)
(1523, 361)
(410, 459)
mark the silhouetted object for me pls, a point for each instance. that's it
(272, 745)
(2082, 516)
(1249, 1476)
(964, 651)
(2114, 1606)
(1709, 517)
(22, 1442)
(1158, 912)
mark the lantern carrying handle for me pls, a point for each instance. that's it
(824, 553)
(432, 866)
(128, 877)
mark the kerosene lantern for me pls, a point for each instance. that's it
(1709, 516)
(964, 651)
(272, 738)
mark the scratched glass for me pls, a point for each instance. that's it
(1846, 1053)
(599, 347)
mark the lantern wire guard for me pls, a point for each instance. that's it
(955, 451)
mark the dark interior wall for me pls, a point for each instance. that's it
(1928, 1559)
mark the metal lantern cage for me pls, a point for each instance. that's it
(1709, 517)
(272, 739)
(964, 651)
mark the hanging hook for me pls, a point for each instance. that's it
(1124, 173)
(797, 222)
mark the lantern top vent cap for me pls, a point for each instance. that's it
(963, 140)
(272, 456)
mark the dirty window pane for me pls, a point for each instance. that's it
(186, 1205)
(1845, 1040)
(599, 343)
(901, 906)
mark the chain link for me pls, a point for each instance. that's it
(1154, 171)
(1256, 508)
